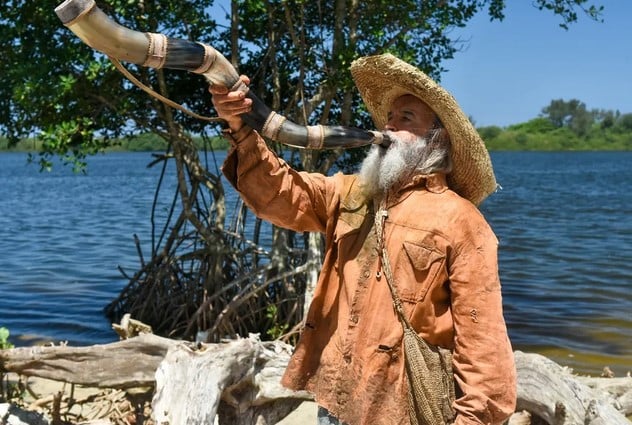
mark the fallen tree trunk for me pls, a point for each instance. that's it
(239, 381)
(618, 390)
(245, 375)
(130, 363)
(551, 392)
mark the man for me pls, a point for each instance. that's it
(426, 186)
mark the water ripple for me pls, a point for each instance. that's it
(562, 220)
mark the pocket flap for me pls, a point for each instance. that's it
(421, 256)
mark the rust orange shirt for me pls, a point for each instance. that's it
(444, 259)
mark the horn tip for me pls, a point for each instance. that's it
(70, 10)
(381, 139)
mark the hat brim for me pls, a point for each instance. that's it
(383, 78)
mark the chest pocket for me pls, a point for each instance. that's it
(418, 269)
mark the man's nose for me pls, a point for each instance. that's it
(390, 127)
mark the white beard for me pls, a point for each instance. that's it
(385, 168)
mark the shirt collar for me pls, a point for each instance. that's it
(435, 183)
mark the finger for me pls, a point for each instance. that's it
(245, 79)
(215, 89)
(237, 111)
(234, 108)
(235, 96)
(232, 100)
(222, 95)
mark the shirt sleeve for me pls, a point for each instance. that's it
(483, 358)
(273, 190)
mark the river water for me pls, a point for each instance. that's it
(564, 221)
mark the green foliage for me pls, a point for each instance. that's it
(148, 142)
(543, 134)
(305, 49)
(56, 88)
(276, 329)
(9, 391)
(536, 125)
(608, 130)
(567, 9)
(4, 339)
(624, 122)
(145, 142)
(489, 133)
(571, 114)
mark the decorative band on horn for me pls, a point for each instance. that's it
(157, 50)
(315, 136)
(209, 59)
(272, 126)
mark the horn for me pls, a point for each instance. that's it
(97, 30)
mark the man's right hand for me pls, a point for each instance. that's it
(231, 104)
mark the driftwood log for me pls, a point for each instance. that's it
(238, 381)
(130, 363)
(554, 394)
(244, 375)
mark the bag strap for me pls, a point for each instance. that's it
(380, 217)
(158, 96)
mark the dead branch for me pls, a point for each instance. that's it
(244, 374)
(129, 363)
(554, 394)
(239, 381)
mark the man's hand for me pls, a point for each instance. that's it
(231, 104)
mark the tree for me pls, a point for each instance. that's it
(625, 122)
(489, 132)
(56, 87)
(605, 118)
(571, 114)
(54, 84)
(296, 52)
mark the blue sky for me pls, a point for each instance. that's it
(512, 69)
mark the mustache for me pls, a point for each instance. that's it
(397, 140)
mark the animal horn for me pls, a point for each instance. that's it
(153, 50)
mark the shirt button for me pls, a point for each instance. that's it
(354, 318)
(347, 358)
(366, 274)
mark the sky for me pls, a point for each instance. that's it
(512, 69)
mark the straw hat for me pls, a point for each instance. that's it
(382, 79)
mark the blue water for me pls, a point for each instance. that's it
(563, 221)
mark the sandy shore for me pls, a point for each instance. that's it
(305, 414)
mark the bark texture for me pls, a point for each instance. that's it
(239, 381)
